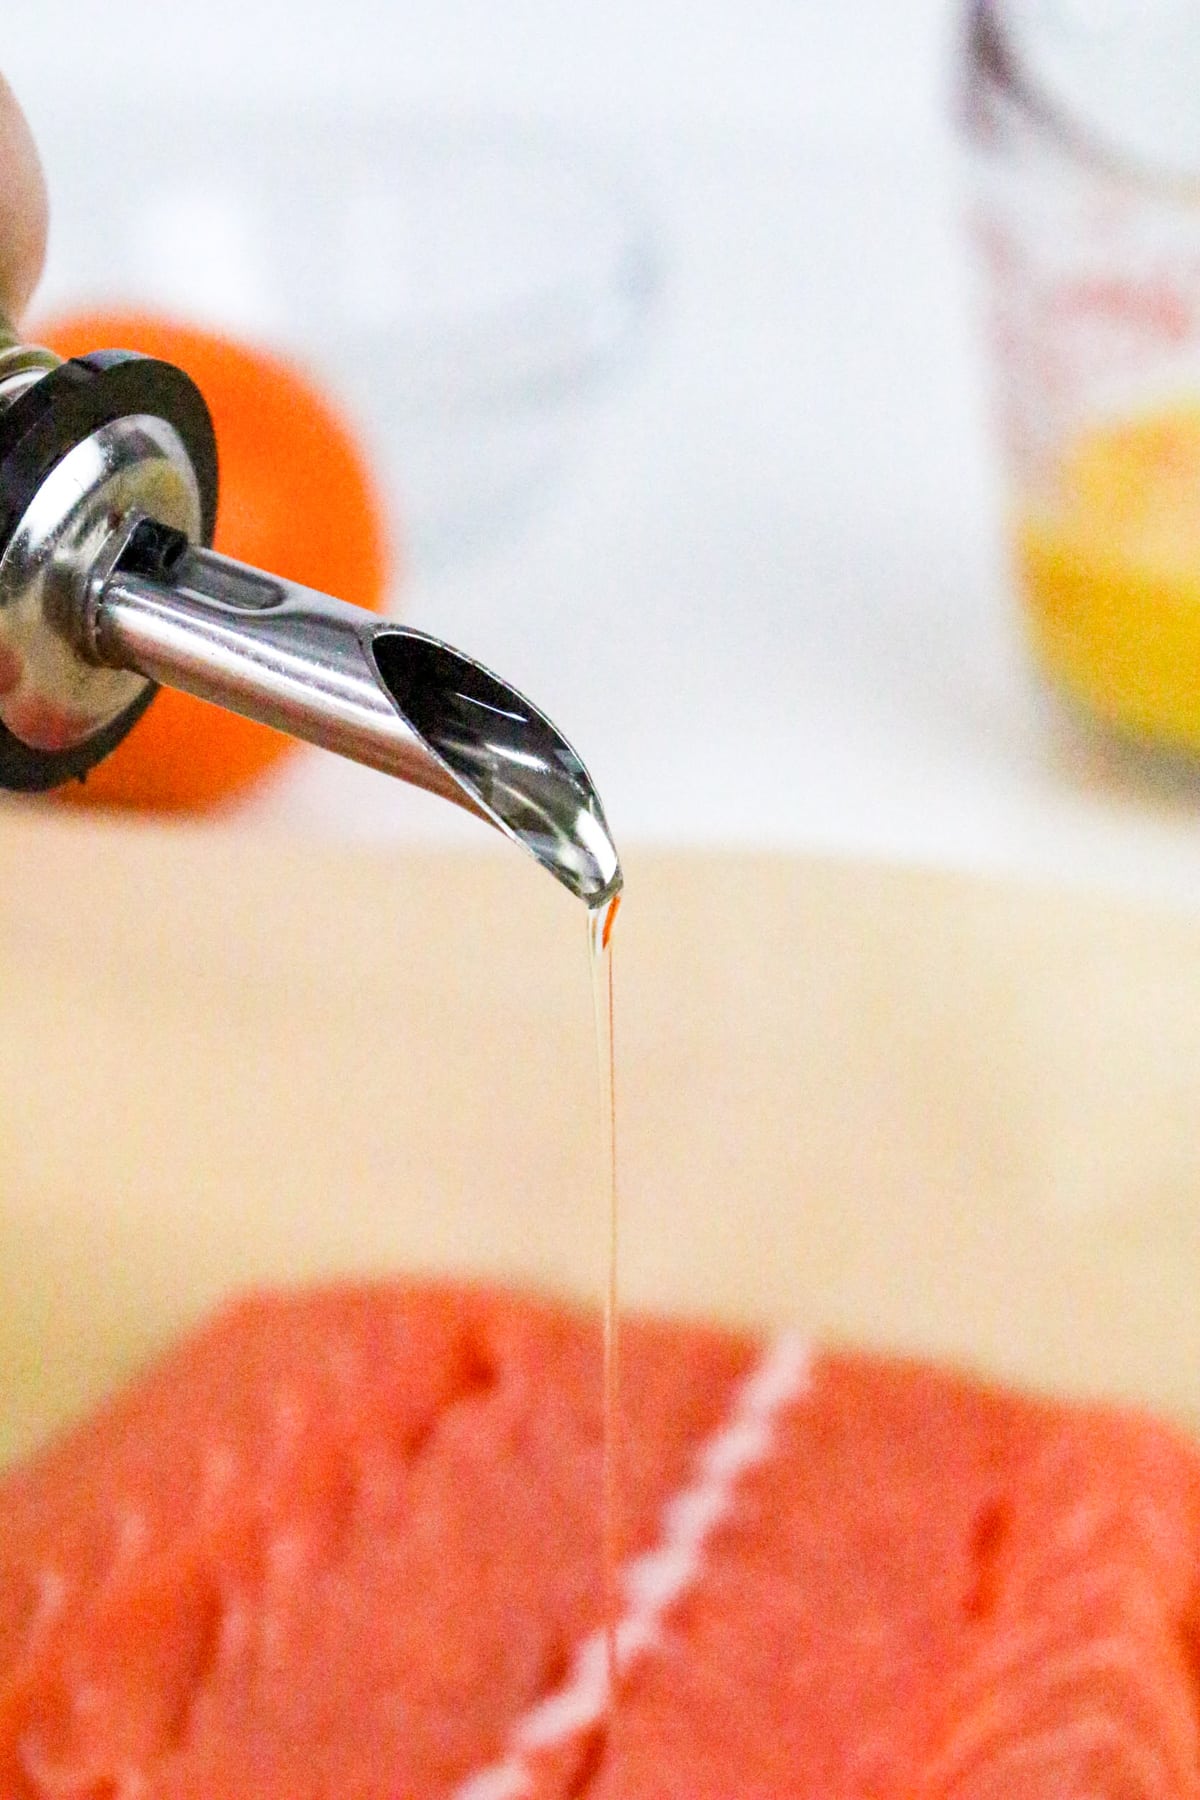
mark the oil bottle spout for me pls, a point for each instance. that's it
(108, 493)
(392, 698)
(508, 760)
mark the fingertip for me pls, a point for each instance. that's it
(23, 207)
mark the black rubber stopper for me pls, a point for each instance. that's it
(59, 411)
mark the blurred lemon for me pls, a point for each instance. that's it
(1109, 566)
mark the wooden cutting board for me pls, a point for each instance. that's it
(902, 1107)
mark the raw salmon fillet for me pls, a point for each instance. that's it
(344, 1545)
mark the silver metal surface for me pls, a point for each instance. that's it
(51, 695)
(393, 699)
(80, 636)
(20, 364)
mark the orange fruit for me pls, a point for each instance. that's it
(296, 497)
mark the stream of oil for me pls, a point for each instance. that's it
(600, 947)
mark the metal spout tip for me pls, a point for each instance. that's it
(508, 759)
(334, 675)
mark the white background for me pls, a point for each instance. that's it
(767, 600)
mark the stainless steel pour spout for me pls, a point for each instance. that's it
(107, 500)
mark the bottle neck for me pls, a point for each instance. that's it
(21, 364)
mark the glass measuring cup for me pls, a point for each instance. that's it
(1084, 135)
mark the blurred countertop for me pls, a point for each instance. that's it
(767, 599)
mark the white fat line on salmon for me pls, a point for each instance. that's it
(655, 1581)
